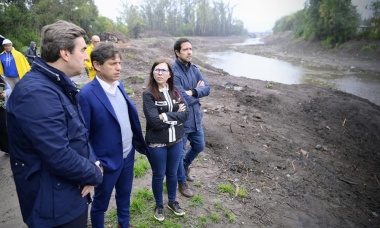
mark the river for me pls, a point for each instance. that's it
(364, 85)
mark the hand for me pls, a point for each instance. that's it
(200, 83)
(87, 189)
(181, 108)
(3, 94)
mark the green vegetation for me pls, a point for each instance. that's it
(332, 22)
(218, 205)
(22, 20)
(214, 217)
(131, 55)
(196, 200)
(79, 86)
(369, 47)
(198, 185)
(129, 91)
(229, 215)
(202, 221)
(226, 188)
(141, 166)
(242, 192)
(139, 77)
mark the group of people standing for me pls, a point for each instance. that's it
(65, 143)
(13, 66)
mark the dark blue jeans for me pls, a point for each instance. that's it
(121, 180)
(197, 144)
(165, 161)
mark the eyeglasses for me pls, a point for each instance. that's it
(163, 71)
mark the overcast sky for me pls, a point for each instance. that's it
(257, 15)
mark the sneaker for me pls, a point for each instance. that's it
(159, 213)
(174, 206)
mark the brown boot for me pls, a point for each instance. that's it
(184, 190)
(188, 176)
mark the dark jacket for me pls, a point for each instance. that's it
(159, 131)
(104, 128)
(50, 155)
(31, 52)
(186, 78)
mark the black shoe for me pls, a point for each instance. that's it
(159, 213)
(174, 206)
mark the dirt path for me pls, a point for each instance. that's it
(307, 156)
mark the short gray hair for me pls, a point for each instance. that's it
(59, 36)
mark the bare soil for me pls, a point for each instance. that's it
(307, 156)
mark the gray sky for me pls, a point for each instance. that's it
(257, 15)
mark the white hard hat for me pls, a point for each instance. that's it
(6, 41)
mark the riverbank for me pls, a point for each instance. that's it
(353, 56)
(306, 156)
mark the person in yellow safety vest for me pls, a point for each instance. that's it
(95, 40)
(13, 64)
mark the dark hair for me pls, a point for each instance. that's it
(104, 51)
(152, 84)
(178, 44)
(59, 36)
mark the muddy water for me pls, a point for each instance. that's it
(252, 66)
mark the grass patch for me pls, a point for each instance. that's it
(139, 77)
(165, 189)
(370, 47)
(218, 205)
(230, 216)
(110, 218)
(242, 193)
(129, 91)
(198, 185)
(226, 188)
(196, 200)
(200, 158)
(202, 221)
(214, 217)
(141, 166)
(79, 86)
(131, 55)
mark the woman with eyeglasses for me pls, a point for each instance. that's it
(165, 113)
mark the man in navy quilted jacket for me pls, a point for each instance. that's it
(190, 81)
(51, 159)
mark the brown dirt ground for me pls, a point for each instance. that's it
(307, 156)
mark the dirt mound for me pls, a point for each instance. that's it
(113, 36)
(150, 34)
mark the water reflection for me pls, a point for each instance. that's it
(257, 67)
(252, 66)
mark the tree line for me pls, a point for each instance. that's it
(332, 22)
(22, 20)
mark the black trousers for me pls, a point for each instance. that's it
(3, 131)
(80, 222)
